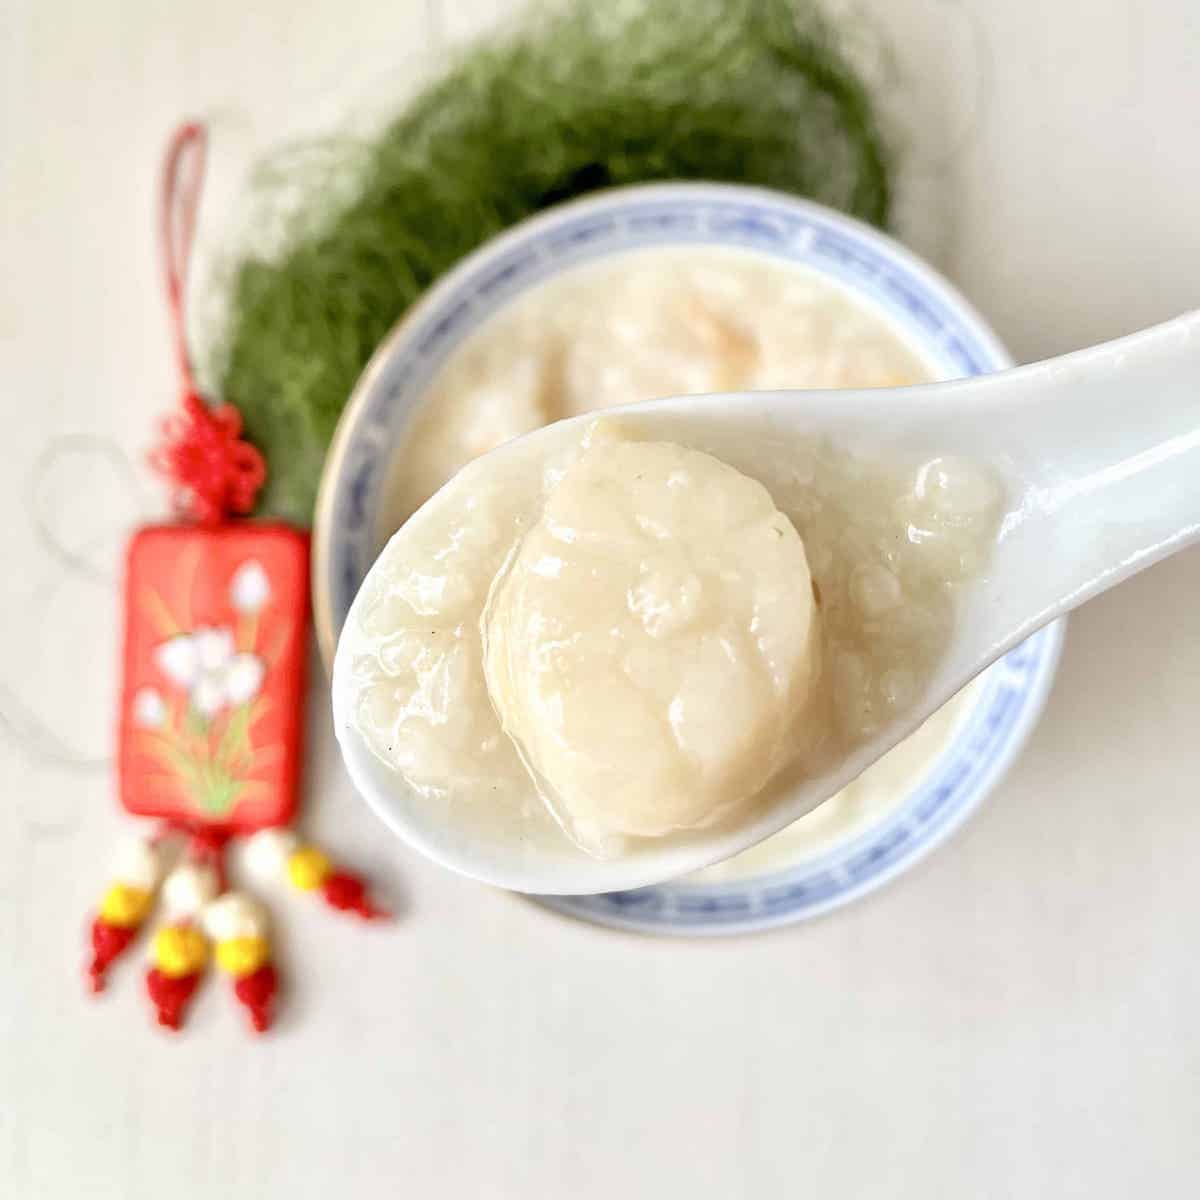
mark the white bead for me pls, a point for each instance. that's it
(234, 915)
(268, 851)
(139, 864)
(188, 889)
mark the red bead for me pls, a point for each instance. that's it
(109, 942)
(170, 995)
(257, 992)
(348, 892)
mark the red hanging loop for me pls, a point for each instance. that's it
(179, 201)
(213, 472)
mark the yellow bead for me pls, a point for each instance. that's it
(243, 955)
(308, 868)
(124, 905)
(180, 950)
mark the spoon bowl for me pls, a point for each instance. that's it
(1096, 452)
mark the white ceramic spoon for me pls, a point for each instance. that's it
(1099, 452)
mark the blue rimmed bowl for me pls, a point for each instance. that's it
(353, 518)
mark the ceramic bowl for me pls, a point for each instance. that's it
(353, 520)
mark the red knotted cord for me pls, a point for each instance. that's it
(213, 472)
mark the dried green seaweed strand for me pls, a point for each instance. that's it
(582, 96)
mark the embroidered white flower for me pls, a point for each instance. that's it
(214, 648)
(149, 708)
(205, 665)
(176, 659)
(243, 678)
(250, 588)
(208, 694)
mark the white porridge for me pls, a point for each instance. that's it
(663, 322)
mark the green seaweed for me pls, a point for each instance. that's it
(579, 96)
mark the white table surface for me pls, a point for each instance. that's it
(1016, 1018)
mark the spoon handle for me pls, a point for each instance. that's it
(1103, 447)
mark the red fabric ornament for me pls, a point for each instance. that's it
(212, 696)
(214, 664)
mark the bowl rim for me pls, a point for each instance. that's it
(548, 219)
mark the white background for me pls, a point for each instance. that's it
(1016, 1018)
